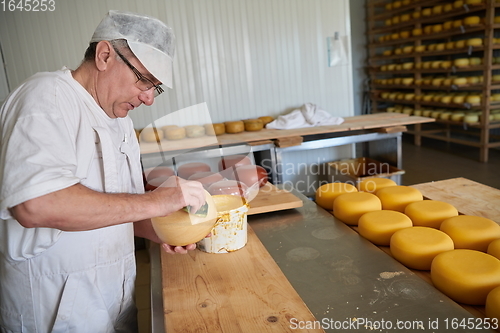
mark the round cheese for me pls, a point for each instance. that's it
(373, 184)
(473, 99)
(494, 248)
(466, 276)
(398, 197)
(471, 118)
(378, 226)
(429, 213)
(266, 120)
(175, 133)
(326, 193)
(416, 247)
(461, 62)
(253, 125)
(349, 207)
(194, 131)
(458, 3)
(459, 44)
(187, 170)
(472, 20)
(234, 126)
(150, 134)
(492, 306)
(471, 232)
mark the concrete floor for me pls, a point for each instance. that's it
(434, 160)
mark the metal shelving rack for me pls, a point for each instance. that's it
(380, 38)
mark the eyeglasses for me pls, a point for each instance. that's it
(142, 82)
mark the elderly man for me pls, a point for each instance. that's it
(71, 184)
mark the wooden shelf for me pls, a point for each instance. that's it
(376, 27)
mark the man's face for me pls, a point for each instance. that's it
(117, 88)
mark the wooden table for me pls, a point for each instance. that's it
(303, 266)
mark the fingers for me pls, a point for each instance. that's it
(178, 249)
(180, 193)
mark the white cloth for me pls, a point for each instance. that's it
(54, 135)
(308, 115)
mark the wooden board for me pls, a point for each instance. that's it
(204, 292)
(467, 196)
(271, 199)
(370, 121)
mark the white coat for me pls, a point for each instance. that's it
(50, 280)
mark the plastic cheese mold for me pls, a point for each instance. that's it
(379, 226)
(416, 247)
(471, 232)
(466, 276)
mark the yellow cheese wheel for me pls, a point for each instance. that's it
(215, 129)
(459, 44)
(252, 125)
(466, 276)
(194, 131)
(438, 9)
(326, 193)
(473, 2)
(378, 226)
(457, 116)
(460, 81)
(492, 306)
(416, 247)
(457, 23)
(430, 213)
(398, 197)
(416, 14)
(448, 7)
(234, 126)
(349, 207)
(472, 20)
(371, 185)
(461, 62)
(471, 118)
(458, 3)
(266, 120)
(175, 133)
(450, 45)
(416, 32)
(494, 248)
(408, 65)
(405, 33)
(150, 134)
(471, 232)
(437, 28)
(396, 4)
(407, 81)
(475, 61)
(426, 12)
(473, 99)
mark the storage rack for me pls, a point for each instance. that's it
(416, 39)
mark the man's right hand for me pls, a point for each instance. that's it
(176, 193)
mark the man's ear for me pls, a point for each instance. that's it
(103, 53)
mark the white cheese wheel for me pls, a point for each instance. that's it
(349, 207)
(471, 232)
(325, 194)
(194, 131)
(430, 213)
(150, 134)
(466, 276)
(416, 247)
(379, 226)
(371, 185)
(492, 306)
(398, 197)
(175, 133)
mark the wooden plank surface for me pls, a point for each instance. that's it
(271, 199)
(362, 122)
(242, 291)
(469, 197)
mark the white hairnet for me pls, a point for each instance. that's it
(151, 41)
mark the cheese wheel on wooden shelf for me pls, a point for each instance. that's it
(371, 185)
(494, 248)
(233, 127)
(492, 306)
(349, 207)
(194, 131)
(187, 170)
(416, 247)
(267, 119)
(149, 134)
(175, 133)
(398, 197)
(471, 232)
(430, 213)
(466, 276)
(379, 226)
(325, 194)
(252, 125)
(472, 20)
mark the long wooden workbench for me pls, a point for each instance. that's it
(303, 270)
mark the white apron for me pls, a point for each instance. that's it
(84, 282)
